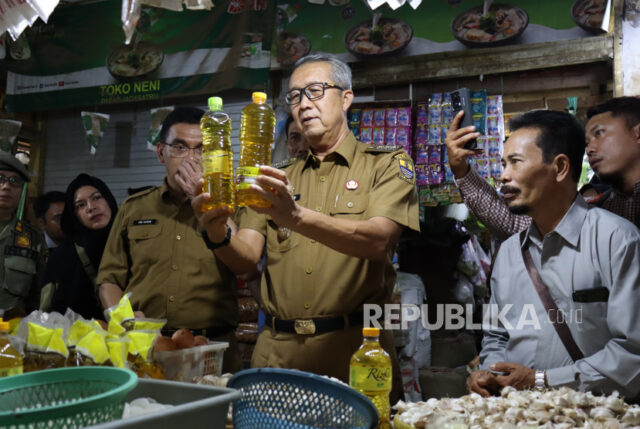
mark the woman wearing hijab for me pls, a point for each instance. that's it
(71, 271)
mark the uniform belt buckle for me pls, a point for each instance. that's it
(304, 326)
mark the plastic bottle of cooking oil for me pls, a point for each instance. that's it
(370, 373)
(217, 156)
(10, 359)
(257, 124)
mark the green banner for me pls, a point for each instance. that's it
(79, 58)
(345, 28)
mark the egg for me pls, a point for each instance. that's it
(183, 338)
(163, 344)
(199, 340)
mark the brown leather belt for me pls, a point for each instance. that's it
(315, 326)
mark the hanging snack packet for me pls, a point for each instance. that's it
(404, 116)
(367, 118)
(95, 124)
(390, 136)
(366, 135)
(391, 117)
(378, 117)
(158, 115)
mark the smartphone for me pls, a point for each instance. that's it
(461, 100)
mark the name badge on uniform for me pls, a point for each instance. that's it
(145, 222)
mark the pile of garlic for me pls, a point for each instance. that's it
(557, 408)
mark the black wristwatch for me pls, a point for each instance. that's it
(213, 246)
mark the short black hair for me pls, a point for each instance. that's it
(44, 201)
(180, 115)
(560, 133)
(286, 125)
(627, 107)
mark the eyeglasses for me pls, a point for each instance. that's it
(14, 181)
(179, 150)
(313, 91)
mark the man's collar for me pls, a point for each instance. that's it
(346, 149)
(569, 227)
(168, 195)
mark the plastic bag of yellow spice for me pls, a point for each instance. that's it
(140, 354)
(45, 348)
(120, 314)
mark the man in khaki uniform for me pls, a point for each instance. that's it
(156, 252)
(22, 246)
(335, 217)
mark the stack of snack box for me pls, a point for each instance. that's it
(382, 126)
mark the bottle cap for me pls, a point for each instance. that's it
(215, 104)
(370, 332)
(4, 326)
(259, 97)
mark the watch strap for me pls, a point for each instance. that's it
(213, 246)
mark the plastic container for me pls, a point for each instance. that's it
(217, 156)
(370, 373)
(192, 364)
(285, 398)
(194, 406)
(257, 124)
(10, 358)
(64, 397)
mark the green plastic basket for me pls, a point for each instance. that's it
(64, 397)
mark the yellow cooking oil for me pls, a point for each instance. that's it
(217, 156)
(10, 358)
(370, 374)
(257, 124)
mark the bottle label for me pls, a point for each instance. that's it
(216, 161)
(370, 379)
(246, 176)
(6, 372)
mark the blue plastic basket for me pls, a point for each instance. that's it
(291, 399)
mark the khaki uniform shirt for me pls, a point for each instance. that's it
(305, 279)
(21, 265)
(156, 252)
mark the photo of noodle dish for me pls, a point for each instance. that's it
(132, 62)
(291, 47)
(501, 25)
(387, 37)
(588, 14)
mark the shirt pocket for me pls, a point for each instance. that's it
(18, 274)
(350, 206)
(280, 239)
(144, 243)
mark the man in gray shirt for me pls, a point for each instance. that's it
(587, 257)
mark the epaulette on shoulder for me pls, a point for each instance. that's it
(286, 162)
(140, 194)
(381, 149)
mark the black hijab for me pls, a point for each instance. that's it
(93, 241)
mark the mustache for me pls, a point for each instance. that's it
(509, 190)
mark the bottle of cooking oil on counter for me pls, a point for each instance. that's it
(10, 358)
(370, 373)
(257, 124)
(217, 156)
